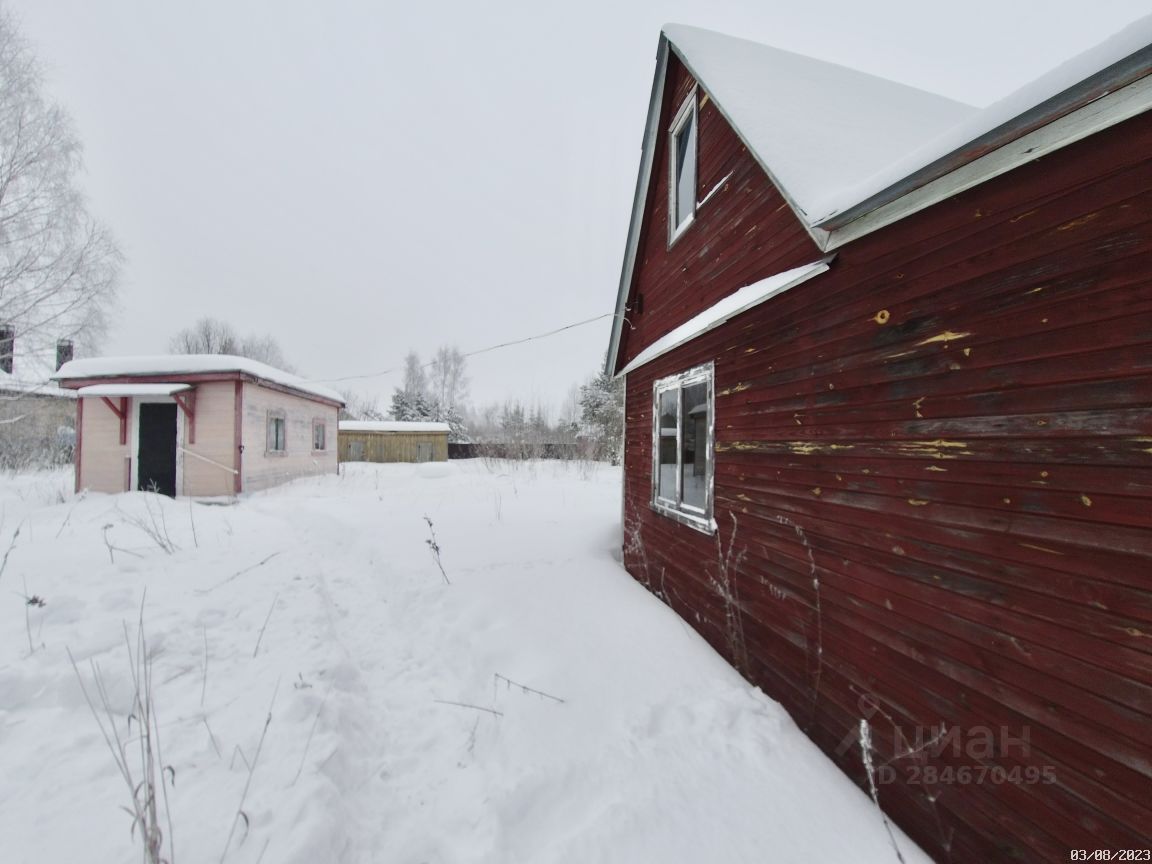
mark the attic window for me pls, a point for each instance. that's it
(682, 174)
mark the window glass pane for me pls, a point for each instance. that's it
(666, 484)
(686, 170)
(276, 433)
(694, 446)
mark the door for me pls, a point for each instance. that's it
(156, 460)
(423, 452)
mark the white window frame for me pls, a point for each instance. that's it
(275, 414)
(322, 425)
(695, 517)
(688, 111)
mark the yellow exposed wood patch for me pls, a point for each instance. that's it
(917, 502)
(704, 100)
(882, 316)
(1016, 219)
(946, 336)
(916, 406)
(807, 448)
(935, 468)
(1133, 631)
(1041, 549)
(1076, 223)
(735, 388)
(938, 449)
(817, 491)
(1085, 500)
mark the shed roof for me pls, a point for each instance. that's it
(393, 426)
(19, 385)
(176, 365)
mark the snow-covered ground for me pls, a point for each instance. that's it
(399, 730)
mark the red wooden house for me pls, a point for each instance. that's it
(889, 424)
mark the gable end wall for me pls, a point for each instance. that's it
(937, 461)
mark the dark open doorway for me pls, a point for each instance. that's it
(156, 460)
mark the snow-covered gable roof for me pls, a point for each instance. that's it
(818, 129)
(833, 138)
(852, 153)
(393, 426)
(175, 365)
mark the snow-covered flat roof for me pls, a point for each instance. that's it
(392, 426)
(132, 389)
(175, 365)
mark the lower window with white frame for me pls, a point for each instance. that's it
(277, 432)
(683, 433)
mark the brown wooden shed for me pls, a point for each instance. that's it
(392, 441)
(888, 439)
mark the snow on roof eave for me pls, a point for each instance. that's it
(644, 175)
(178, 365)
(11, 385)
(397, 426)
(1112, 95)
(131, 389)
(729, 307)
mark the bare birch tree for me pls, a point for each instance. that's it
(210, 335)
(59, 267)
(415, 378)
(449, 383)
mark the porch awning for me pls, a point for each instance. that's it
(132, 389)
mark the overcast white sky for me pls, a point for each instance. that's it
(360, 178)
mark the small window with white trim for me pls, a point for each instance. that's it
(277, 432)
(683, 447)
(319, 436)
(682, 173)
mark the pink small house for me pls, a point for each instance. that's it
(197, 424)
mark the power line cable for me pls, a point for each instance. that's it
(509, 344)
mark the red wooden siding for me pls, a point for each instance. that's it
(934, 471)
